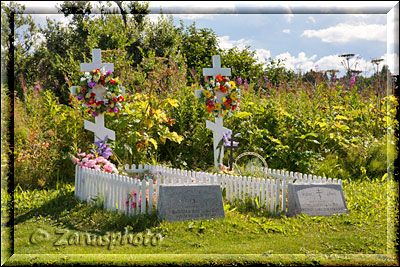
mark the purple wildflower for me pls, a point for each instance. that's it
(352, 81)
(94, 114)
(80, 97)
(108, 72)
(115, 110)
(102, 149)
(91, 84)
(239, 81)
(227, 138)
(334, 79)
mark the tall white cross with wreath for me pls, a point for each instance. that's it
(217, 126)
(100, 131)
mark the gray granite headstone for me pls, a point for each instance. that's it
(189, 202)
(316, 199)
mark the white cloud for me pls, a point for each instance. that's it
(312, 19)
(286, 31)
(303, 63)
(226, 43)
(343, 33)
(262, 55)
(300, 62)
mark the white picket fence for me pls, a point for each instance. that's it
(113, 191)
(271, 190)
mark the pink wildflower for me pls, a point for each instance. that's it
(108, 168)
(88, 156)
(96, 167)
(82, 154)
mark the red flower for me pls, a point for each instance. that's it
(112, 81)
(223, 89)
(121, 98)
(228, 101)
(218, 78)
(92, 94)
(114, 100)
(91, 101)
(100, 102)
(234, 107)
(210, 104)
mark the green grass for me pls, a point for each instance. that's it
(245, 235)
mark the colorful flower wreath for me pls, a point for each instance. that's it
(112, 99)
(230, 101)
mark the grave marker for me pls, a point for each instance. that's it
(316, 199)
(217, 126)
(98, 128)
(189, 202)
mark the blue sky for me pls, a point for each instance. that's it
(304, 34)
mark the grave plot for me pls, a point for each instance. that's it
(132, 196)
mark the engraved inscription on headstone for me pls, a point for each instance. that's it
(189, 202)
(316, 199)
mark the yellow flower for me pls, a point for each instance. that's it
(233, 85)
(234, 96)
(218, 106)
(207, 94)
(78, 89)
(223, 99)
(96, 78)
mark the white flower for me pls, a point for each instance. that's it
(218, 84)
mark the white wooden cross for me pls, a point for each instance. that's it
(217, 126)
(100, 131)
